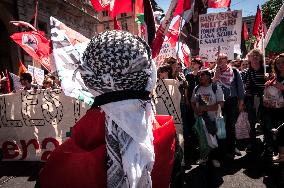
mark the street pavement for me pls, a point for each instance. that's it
(246, 171)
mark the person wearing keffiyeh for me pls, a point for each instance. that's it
(116, 62)
(112, 144)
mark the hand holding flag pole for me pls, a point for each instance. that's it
(23, 24)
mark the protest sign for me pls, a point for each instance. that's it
(166, 97)
(33, 123)
(219, 30)
(37, 74)
(166, 51)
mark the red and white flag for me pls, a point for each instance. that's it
(182, 6)
(115, 7)
(173, 33)
(259, 30)
(219, 3)
(100, 5)
(163, 29)
(184, 54)
(36, 45)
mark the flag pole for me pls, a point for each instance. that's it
(35, 26)
(262, 43)
(35, 14)
(133, 10)
(179, 38)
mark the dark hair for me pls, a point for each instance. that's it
(207, 73)
(198, 61)
(275, 69)
(27, 76)
(164, 68)
(170, 60)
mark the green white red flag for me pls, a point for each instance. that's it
(274, 40)
(139, 11)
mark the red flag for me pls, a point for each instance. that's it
(8, 85)
(120, 6)
(100, 5)
(115, 7)
(173, 33)
(163, 28)
(257, 23)
(36, 45)
(116, 26)
(219, 3)
(182, 6)
(258, 29)
(22, 68)
(245, 31)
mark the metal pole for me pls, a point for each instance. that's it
(179, 37)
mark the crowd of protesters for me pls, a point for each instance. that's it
(28, 83)
(250, 86)
(233, 86)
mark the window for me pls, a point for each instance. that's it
(105, 13)
(106, 26)
(124, 25)
(123, 14)
(248, 30)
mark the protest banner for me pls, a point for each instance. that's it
(166, 97)
(219, 30)
(37, 74)
(33, 123)
(68, 46)
(166, 51)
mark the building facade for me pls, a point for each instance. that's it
(249, 21)
(78, 15)
(125, 20)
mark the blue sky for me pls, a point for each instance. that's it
(248, 7)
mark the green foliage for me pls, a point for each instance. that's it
(250, 43)
(269, 10)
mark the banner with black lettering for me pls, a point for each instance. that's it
(219, 31)
(166, 97)
(33, 123)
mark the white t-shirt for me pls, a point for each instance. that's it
(206, 96)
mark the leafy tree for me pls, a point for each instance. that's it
(270, 9)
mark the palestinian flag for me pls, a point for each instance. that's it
(139, 11)
(274, 40)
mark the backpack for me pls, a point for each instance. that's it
(214, 88)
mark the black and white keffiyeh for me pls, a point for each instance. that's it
(118, 61)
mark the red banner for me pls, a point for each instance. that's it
(36, 45)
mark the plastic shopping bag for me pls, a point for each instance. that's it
(220, 124)
(202, 139)
(211, 139)
(242, 126)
